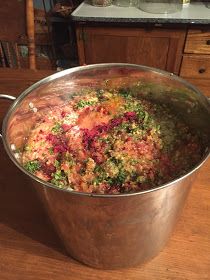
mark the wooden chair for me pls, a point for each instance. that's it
(13, 30)
(13, 79)
(30, 33)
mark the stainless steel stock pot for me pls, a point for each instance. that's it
(109, 231)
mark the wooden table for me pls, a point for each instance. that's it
(30, 249)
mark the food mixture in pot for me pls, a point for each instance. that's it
(110, 142)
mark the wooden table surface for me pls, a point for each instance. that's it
(30, 248)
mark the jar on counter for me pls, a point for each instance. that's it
(160, 6)
(186, 2)
(123, 3)
(101, 3)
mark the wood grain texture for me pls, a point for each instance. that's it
(198, 41)
(23, 74)
(15, 81)
(30, 33)
(158, 48)
(196, 66)
(80, 45)
(31, 250)
(12, 20)
(202, 84)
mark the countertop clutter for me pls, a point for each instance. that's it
(195, 13)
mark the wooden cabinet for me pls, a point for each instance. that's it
(196, 66)
(198, 41)
(196, 59)
(186, 53)
(156, 47)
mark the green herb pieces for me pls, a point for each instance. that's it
(119, 179)
(85, 103)
(57, 164)
(51, 150)
(32, 166)
(59, 178)
(124, 92)
(57, 128)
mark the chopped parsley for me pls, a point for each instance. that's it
(59, 178)
(85, 103)
(32, 166)
(57, 164)
(119, 179)
(124, 92)
(57, 128)
(104, 140)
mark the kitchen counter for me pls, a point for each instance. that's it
(31, 250)
(195, 13)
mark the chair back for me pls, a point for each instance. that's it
(17, 22)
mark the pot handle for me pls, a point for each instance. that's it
(9, 97)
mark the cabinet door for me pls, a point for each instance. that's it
(160, 48)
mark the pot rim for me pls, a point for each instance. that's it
(83, 68)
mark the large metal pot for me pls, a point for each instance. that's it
(110, 231)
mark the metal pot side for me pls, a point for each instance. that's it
(110, 231)
(115, 232)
